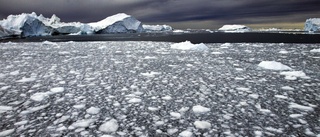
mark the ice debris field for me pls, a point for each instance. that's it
(159, 89)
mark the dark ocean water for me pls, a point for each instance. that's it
(195, 37)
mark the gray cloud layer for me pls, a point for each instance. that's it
(170, 11)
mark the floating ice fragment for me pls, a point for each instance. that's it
(167, 98)
(79, 106)
(287, 88)
(315, 50)
(187, 45)
(24, 80)
(186, 133)
(81, 123)
(57, 90)
(295, 115)
(292, 75)
(175, 115)
(171, 131)
(6, 132)
(273, 65)
(5, 109)
(93, 110)
(300, 107)
(39, 96)
(200, 109)
(202, 124)
(110, 126)
(134, 100)
(153, 108)
(49, 43)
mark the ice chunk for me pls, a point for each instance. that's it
(287, 88)
(24, 80)
(79, 106)
(157, 28)
(294, 73)
(57, 90)
(273, 65)
(312, 24)
(234, 28)
(175, 115)
(200, 109)
(300, 107)
(6, 133)
(171, 131)
(110, 126)
(202, 124)
(186, 133)
(5, 109)
(81, 123)
(315, 50)
(39, 96)
(93, 110)
(187, 45)
(134, 100)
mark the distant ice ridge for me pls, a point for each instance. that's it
(157, 28)
(187, 45)
(312, 24)
(30, 24)
(235, 28)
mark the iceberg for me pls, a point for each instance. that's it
(4, 32)
(235, 28)
(273, 65)
(312, 24)
(26, 25)
(66, 28)
(119, 23)
(157, 28)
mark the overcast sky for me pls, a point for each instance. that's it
(179, 13)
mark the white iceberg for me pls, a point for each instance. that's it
(157, 28)
(273, 65)
(66, 28)
(235, 28)
(26, 25)
(312, 24)
(187, 45)
(4, 32)
(119, 23)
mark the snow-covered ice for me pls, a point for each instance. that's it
(315, 50)
(312, 24)
(187, 45)
(273, 65)
(202, 124)
(110, 126)
(235, 28)
(200, 109)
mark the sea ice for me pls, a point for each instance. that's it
(315, 50)
(273, 65)
(200, 109)
(202, 124)
(6, 133)
(186, 133)
(300, 107)
(110, 126)
(187, 45)
(93, 110)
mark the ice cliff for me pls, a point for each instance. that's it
(26, 25)
(312, 24)
(119, 23)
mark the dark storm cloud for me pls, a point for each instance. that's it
(225, 11)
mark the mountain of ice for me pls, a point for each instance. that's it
(157, 28)
(312, 24)
(26, 25)
(4, 32)
(235, 28)
(119, 23)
